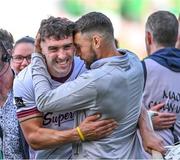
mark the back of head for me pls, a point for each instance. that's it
(178, 40)
(95, 22)
(6, 45)
(164, 27)
(57, 28)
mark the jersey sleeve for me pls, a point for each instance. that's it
(73, 95)
(25, 101)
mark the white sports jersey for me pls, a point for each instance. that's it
(25, 101)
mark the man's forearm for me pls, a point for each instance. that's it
(43, 138)
(149, 139)
(144, 122)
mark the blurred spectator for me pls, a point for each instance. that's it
(162, 75)
(10, 139)
(21, 55)
(13, 143)
(178, 40)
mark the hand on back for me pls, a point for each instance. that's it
(93, 128)
(163, 120)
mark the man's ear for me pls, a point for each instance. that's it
(96, 41)
(149, 38)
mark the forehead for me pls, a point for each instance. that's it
(80, 38)
(24, 46)
(23, 49)
(54, 42)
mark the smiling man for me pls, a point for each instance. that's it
(51, 132)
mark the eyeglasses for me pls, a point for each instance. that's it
(20, 59)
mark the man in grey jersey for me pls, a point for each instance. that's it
(162, 68)
(112, 87)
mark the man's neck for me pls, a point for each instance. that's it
(156, 48)
(109, 52)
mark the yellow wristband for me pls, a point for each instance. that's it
(80, 134)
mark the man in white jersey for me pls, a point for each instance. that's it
(50, 132)
(162, 68)
(113, 86)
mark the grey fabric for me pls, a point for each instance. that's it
(162, 86)
(112, 87)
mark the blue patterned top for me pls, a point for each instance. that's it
(9, 124)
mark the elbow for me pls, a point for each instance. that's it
(35, 147)
(41, 104)
(41, 108)
(34, 142)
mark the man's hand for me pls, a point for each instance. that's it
(164, 119)
(93, 128)
(151, 141)
(37, 44)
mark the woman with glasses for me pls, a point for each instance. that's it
(21, 54)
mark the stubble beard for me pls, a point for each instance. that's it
(92, 60)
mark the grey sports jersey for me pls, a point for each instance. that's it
(23, 88)
(112, 87)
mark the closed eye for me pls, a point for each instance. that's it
(68, 46)
(53, 49)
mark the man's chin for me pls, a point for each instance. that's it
(64, 72)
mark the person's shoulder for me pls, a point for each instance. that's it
(79, 65)
(150, 62)
(128, 53)
(25, 75)
(78, 61)
(23, 84)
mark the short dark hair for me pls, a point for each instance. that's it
(56, 27)
(26, 39)
(164, 27)
(95, 21)
(7, 39)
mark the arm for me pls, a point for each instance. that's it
(75, 95)
(43, 138)
(150, 140)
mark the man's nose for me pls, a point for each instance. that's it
(62, 53)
